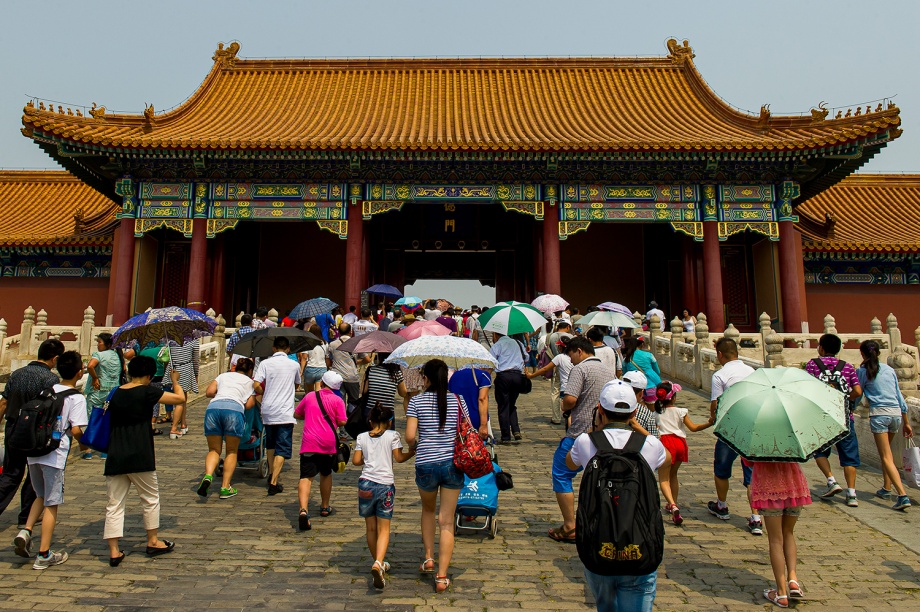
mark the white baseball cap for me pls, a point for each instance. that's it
(332, 379)
(636, 379)
(618, 396)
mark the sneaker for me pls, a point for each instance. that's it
(852, 502)
(53, 558)
(103, 455)
(676, 517)
(756, 527)
(883, 493)
(903, 503)
(518, 436)
(87, 456)
(227, 493)
(832, 490)
(204, 486)
(717, 512)
(274, 489)
(23, 544)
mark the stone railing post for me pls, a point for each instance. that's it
(637, 317)
(774, 346)
(86, 332)
(220, 337)
(677, 336)
(830, 324)
(239, 319)
(905, 366)
(894, 334)
(41, 319)
(273, 315)
(766, 327)
(25, 333)
(701, 331)
(654, 332)
(732, 333)
(875, 326)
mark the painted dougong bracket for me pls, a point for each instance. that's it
(534, 209)
(339, 228)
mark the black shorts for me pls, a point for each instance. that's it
(312, 464)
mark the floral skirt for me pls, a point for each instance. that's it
(779, 485)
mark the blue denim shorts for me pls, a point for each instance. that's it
(723, 461)
(375, 499)
(440, 474)
(624, 593)
(278, 439)
(562, 475)
(311, 376)
(223, 421)
(847, 449)
(884, 424)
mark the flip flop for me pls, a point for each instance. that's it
(423, 568)
(325, 511)
(561, 535)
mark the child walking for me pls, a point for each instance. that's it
(376, 450)
(673, 424)
(779, 490)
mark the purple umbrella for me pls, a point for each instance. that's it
(373, 342)
(614, 307)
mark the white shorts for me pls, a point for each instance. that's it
(48, 483)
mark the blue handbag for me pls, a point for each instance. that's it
(97, 433)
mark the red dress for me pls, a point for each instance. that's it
(778, 485)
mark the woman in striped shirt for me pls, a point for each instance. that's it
(382, 382)
(431, 427)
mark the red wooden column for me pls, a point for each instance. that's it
(552, 267)
(789, 258)
(124, 272)
(712, 277)
(218, 275)
(354, 258)
(198, 267)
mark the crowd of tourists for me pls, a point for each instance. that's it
(602, 380)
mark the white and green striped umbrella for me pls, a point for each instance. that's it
(509, 318)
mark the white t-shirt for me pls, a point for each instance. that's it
(609, 358)
(671, 421)
(280, 376)
(583, 450)
(731, 372)
(431, 315)
(564, 364)
(316, 357)
(656, 311)
(350, 318)
(235, 387)
(73, 414)
(363, 326)
(378, 455)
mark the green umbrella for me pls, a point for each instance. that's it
(780, 414)
(509, 318)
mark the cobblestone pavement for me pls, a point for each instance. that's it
(246, 553)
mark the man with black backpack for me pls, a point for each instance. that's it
(619, 530)
(24, 385)
(841, 376)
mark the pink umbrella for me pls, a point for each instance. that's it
(423, 328)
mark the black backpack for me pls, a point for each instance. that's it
(32, 432)
(834, 378)
(618, 527)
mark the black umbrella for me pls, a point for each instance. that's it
(259, 343)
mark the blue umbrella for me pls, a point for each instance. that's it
(179, 325)
(385, 291)
(311, 308)
(409, 302)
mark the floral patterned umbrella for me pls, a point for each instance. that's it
(180, 325)
(548, 303)
(457, 353)
(444, 305)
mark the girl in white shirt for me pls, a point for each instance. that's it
(673, 423)
(376, 450)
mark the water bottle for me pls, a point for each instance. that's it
(58, 425)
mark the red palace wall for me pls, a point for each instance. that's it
(64, 299)
(853, 306)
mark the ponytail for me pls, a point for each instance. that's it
(436, 373)
(380, 414)
(870, 350)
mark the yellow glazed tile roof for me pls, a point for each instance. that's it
(552, 104)
(867, 212)
(52, 207)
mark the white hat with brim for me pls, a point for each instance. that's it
(618, 396)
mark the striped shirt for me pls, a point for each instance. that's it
(185, 359)
(434, 444)
(585, 382)
(381, 388)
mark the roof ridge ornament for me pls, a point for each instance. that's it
(763, 121)
(148, 114)
(97, 113)
(226, 57)
(679, 54)
(819, 113)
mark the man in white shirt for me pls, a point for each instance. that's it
(562, 330)
(261, 320)
(279, 377)
(607, 355)
(351, 317)
(365, 324)
(654, 310)
(475, 328)
(732, 371)
(432, 312)
(509, 378)
(617, 406)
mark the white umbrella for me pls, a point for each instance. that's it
(509, 318)
(549, 303)
(457, 353)
(606, 318)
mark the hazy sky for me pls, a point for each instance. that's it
(791, 55)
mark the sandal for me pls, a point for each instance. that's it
(441, 583)
(162, 420)
(377, 571)
(303, 521)
(424, 569)
(796, 590)
(561, 535)
(771, 595)
(324, 512)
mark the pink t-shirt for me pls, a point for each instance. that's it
(318, 436)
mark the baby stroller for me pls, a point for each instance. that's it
(479, 500)
(251, 454)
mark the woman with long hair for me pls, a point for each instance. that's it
(431, 427)
(636, 356)
(887, 416)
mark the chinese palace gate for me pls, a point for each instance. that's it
(598, 179)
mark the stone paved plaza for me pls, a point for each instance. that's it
(246, 552)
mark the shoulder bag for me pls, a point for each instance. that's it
(342, 450)
(525, 385)
(470, 453)
(99, 429)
